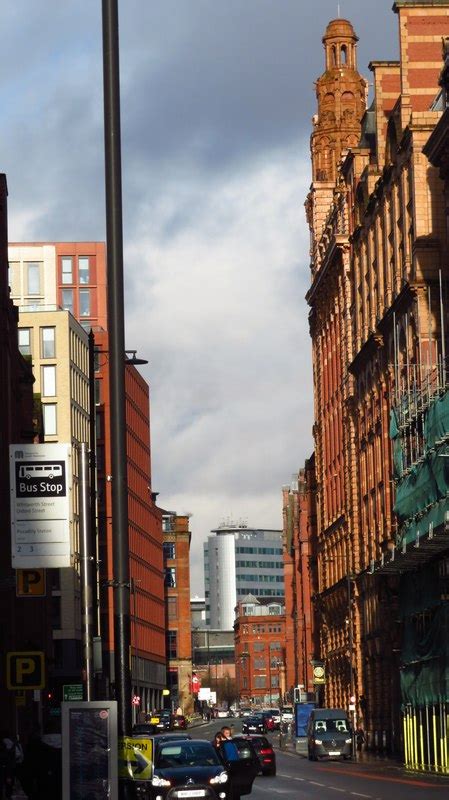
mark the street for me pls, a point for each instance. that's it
(370, 779)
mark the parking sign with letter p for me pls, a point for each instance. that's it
(25, 670)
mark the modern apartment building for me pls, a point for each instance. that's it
(57, 346)
(238, 561)
(72, 276)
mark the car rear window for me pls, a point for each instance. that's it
(184, 753)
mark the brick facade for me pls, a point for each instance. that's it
(259, 635)
(374, 319)
(299, 515)
(176, 543)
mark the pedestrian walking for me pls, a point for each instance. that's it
(7, 764)
(359, 738)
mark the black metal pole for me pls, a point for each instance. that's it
(93, 482)
(86, 559)
(116, 330)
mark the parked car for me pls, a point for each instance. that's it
(268, 720)
(193, 768)
(264, 752)
(162, 719)
(254, 724)
(179, 721)
(276, 715)
(221, 713)
(144, 729)
(329, 734)
(287, 714)
(246, 711)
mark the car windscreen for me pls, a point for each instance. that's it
(185, 753)
(331, 726)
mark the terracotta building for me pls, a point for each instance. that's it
(378, 325)
(176, 545)
(301, 640)
(259, 635)
(336, 130)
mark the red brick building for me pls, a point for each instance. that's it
(379, 337)
(299, 515)
(176, 544)
(259, 635)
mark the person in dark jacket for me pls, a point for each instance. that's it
(7, 765)
(41, 773)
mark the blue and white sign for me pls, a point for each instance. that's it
(41, 505)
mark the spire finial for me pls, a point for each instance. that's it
(338, 10)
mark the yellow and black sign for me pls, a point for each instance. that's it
(20, 698)
(30, 583)
(135, 759)
(319, 674)
(25, 670)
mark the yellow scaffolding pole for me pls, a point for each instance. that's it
(435, 746)
(421, 740)
(415, 739)
(404, 724)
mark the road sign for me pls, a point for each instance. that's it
(25, 670)
(135, 759)
(30, 583)
(319, 674)
(72, 692)
(41, 517)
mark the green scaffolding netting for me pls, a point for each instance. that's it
(422, 494)
(436, 422)
(398, 466)
(425, 638)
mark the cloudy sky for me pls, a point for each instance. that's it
(217, 97)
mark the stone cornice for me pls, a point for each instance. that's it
(369, 348)
(338, 244)
(437, 146)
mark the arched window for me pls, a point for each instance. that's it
(333, 56)
(343, 55)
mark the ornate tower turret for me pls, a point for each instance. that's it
(341, 94)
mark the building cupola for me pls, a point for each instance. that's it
(341, 94)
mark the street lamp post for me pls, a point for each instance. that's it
(114, 236)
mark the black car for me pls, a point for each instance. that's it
(255, 724)
(264, 752)
(194, 768)
(165, 718)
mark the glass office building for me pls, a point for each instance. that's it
(238, 561)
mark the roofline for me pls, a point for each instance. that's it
(373, 64)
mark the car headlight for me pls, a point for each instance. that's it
(318, 741)
(158, 781)
(348, 741)
(222, 777)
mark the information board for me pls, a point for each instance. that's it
(89, 750)
(41, 504)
